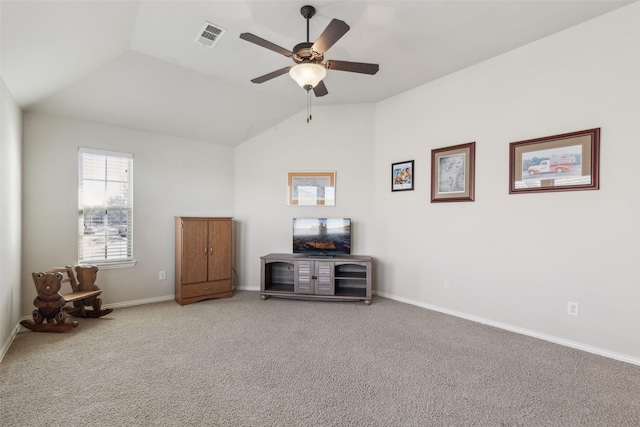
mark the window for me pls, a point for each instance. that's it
(105, 207)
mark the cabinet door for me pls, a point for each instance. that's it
(324, 276)
(194, 251)
(304, 277)
(219, 250)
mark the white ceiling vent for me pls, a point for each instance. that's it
(210, 34)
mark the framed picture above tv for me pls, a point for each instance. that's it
(311, 188)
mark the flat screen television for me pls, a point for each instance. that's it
(322, 237)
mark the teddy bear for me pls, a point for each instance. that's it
(49, 300)
(87, 275)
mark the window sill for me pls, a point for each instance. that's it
(112, 265)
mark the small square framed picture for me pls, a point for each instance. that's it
(402, 176)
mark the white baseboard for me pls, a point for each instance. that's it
(140, 301)
(522, 331)
(248, 288)
(15, 331)
(9, 341)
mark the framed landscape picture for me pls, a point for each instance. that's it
(453, 173)
(565, 162)
(311, 188)
(402, 176)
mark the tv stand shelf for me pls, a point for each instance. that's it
(342, 277)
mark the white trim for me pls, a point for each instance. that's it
(104, 205)
(7, 344)
(120, 305)
(140, 301)
(527, 332)
(111, 265)
(12, 336)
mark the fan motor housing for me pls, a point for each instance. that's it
(302, 52)
(307, 11)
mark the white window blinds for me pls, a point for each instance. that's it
(105, 206)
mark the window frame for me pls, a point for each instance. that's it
(105, 262)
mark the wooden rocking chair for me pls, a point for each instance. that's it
(51, 305)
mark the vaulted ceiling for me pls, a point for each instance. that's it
(136, 64)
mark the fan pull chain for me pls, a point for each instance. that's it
(308, 106)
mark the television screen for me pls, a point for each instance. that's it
(322, 236)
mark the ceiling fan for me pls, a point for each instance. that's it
(310, 68)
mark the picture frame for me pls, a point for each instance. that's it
(402, 176)
(564, 162)
(311, 188)
(453, 173)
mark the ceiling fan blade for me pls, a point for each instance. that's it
(334, 31)
(267, 44)
(354, 67)
(320, 89)
(271, 75)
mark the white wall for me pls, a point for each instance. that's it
(172, 177)
(516, 260)
(338, 139)
(513, 261)
(10, 211)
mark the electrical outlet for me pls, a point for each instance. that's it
(162, 275)
(572, 308)
(446, 284)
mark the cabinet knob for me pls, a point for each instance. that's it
(211, 251)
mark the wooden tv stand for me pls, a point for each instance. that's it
(342, 277)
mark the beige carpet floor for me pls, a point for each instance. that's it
(246, 362)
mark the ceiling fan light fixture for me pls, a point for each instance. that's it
(308, 75)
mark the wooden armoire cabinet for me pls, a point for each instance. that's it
(203, 258)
